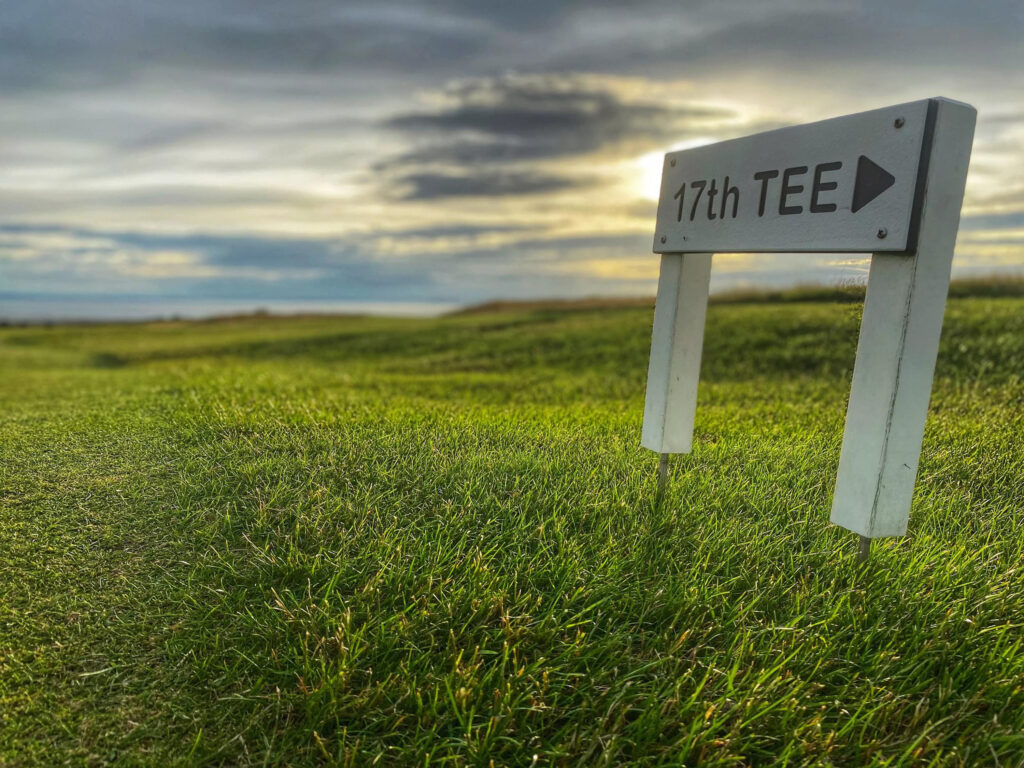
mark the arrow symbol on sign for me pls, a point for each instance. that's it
(872, 180)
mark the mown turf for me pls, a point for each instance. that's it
(427, 542)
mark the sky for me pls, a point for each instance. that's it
(444, 150)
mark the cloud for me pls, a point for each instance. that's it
(528, 117)
(505, 136)
(809, 40)
(434, 186)
(67, 44)
(994, 221)
(538, 107)
(115, 264)
(73, 260)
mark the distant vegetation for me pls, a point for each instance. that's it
(372, 541)
(998, 285)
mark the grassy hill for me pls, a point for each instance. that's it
(363, 541)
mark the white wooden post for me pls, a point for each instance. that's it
(899, 341)
(676, 344)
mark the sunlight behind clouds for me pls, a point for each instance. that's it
(646, 170)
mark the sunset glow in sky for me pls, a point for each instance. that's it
(444, 151)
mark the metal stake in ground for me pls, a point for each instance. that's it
(662, 478)
(864, 550)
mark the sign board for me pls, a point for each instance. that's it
(888, 182)
(846, 184)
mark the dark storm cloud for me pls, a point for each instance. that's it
(460, 230)
(493, 137)
(434, 186)
(527, 117)
(532, 107)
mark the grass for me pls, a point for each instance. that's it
(361, 541)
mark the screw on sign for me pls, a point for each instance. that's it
(889, 182)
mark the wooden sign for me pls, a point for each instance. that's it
(889, 182)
